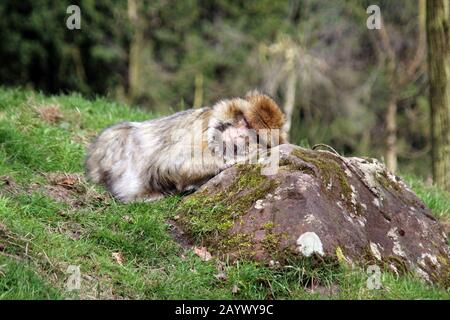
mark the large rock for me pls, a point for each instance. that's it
(318, 204)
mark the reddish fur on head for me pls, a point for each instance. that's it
(257, 110)
(264, 113)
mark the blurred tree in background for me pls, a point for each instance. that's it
(362, 91)
(38, 50)
(438, 29)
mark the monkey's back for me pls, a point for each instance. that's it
(133, 159)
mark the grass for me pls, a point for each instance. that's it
(126, 251)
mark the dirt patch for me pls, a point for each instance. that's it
(69, 188)
(68, 181)
(72, 189)
(7, 184)
(85, 137)
(60, 194)
(64, 119)
(71, 229)
(179, 235)
(50, 114)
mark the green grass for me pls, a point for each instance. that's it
(437, 200)
(42, 235)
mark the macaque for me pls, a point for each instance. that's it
(143, 161)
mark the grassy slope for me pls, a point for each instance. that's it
(40, 236)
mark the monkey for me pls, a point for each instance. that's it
(144, 161)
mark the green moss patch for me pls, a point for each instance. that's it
(388, 183)
(209, 217)
(330, 170)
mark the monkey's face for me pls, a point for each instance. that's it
(233, 138)
(240, 125)
(236, 133)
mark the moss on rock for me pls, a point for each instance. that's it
(209, 217)
(330, 168)
(331, 173)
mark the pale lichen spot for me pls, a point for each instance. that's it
(392, 233)
(391, 176)
(349, 219)
(369, 171)
(309, 218)
(375, 252)
(393, 268)
(354, 195)
(302, 189)
(423, 225)
(301, 185)
(309, 243)
(422, 274)
(433, 259)
(259, 204)
(348, 173)
(362, 221)
(376, 202)
(397, 248)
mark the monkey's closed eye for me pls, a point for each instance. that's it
(223, 126)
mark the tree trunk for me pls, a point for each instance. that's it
(439, 96)
(135, 49)
(198, 94)
(290, 99)
(391, 138)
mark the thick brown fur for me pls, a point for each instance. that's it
(264, 112)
